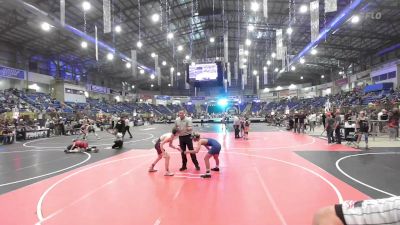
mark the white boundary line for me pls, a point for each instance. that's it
(360, 182)
(338, 194)
(47, 174)
(40, 202)
(42, 197)
(269, 196)
(56, 147)
(92, 192)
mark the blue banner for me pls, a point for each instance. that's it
(97, 89)
(198, 98)
(163, 97)
(7, 72)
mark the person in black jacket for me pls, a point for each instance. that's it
(120, 126)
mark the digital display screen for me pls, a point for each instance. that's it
(203, 72)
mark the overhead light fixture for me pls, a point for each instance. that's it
(245, 60)
(314, 51)
(276, 70)
(193, 64)
(268, 62)
(128, 65)
(341, 72)
(355, 19)
(289, 31)
(170, 35)
(301, 78)
(178, 74)
(273, 55)
(169, 85)
(86, 6)
(322, 76)
(152, 85)
(155, 17)
(172, 69)
(133, 86)
(303, 9)
(164, 63)
(212, 39)
(118, 29)
(293, 68)
(153, 55)
(246, 52)
(187, 57)
(84, 44)
(152, 76)
(265, 68)
(141, 71)
(250, 27)
(255, 72)
(45, 26)
(302, 61)
(139, 44)
(217, 58)
(180, 47)
(248, 42)
(110, 56)
(254, 6)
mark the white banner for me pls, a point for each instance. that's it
(187, 86)
(257, 83)
(158, 72)
(266, 76)
(171, 76)
(314, 14)
(279, 44)
(245, 75)
(96, 43)
(241, 55)
(330, 6)
(226, 85)
(226, 49)
(107, 16)
(134, 63)
(229, 74)
(284, 57)
(62, 12)
(236, 70)
(243, 80)
(265, 8)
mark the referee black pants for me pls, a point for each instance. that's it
(183, 142)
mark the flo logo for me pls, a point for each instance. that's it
(373, 15)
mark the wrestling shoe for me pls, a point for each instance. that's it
(207, 175)
(215, 169)
(183, 169)
(169, 174)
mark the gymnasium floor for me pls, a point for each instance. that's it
(276, 177)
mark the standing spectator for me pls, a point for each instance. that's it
(236, 126)
(338, 121)
(323, 119)
(363, 128)
(329, 127)
(127, 128)
(393, 124)
(301, 125)
(120, 125)
(296, 122)
(313, 120)
(184, 126)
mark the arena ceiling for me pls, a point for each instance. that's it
(193, 23)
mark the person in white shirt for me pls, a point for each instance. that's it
(127, 128)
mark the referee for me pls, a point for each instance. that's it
(184, 126)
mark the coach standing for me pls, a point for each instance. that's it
(184, 126)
